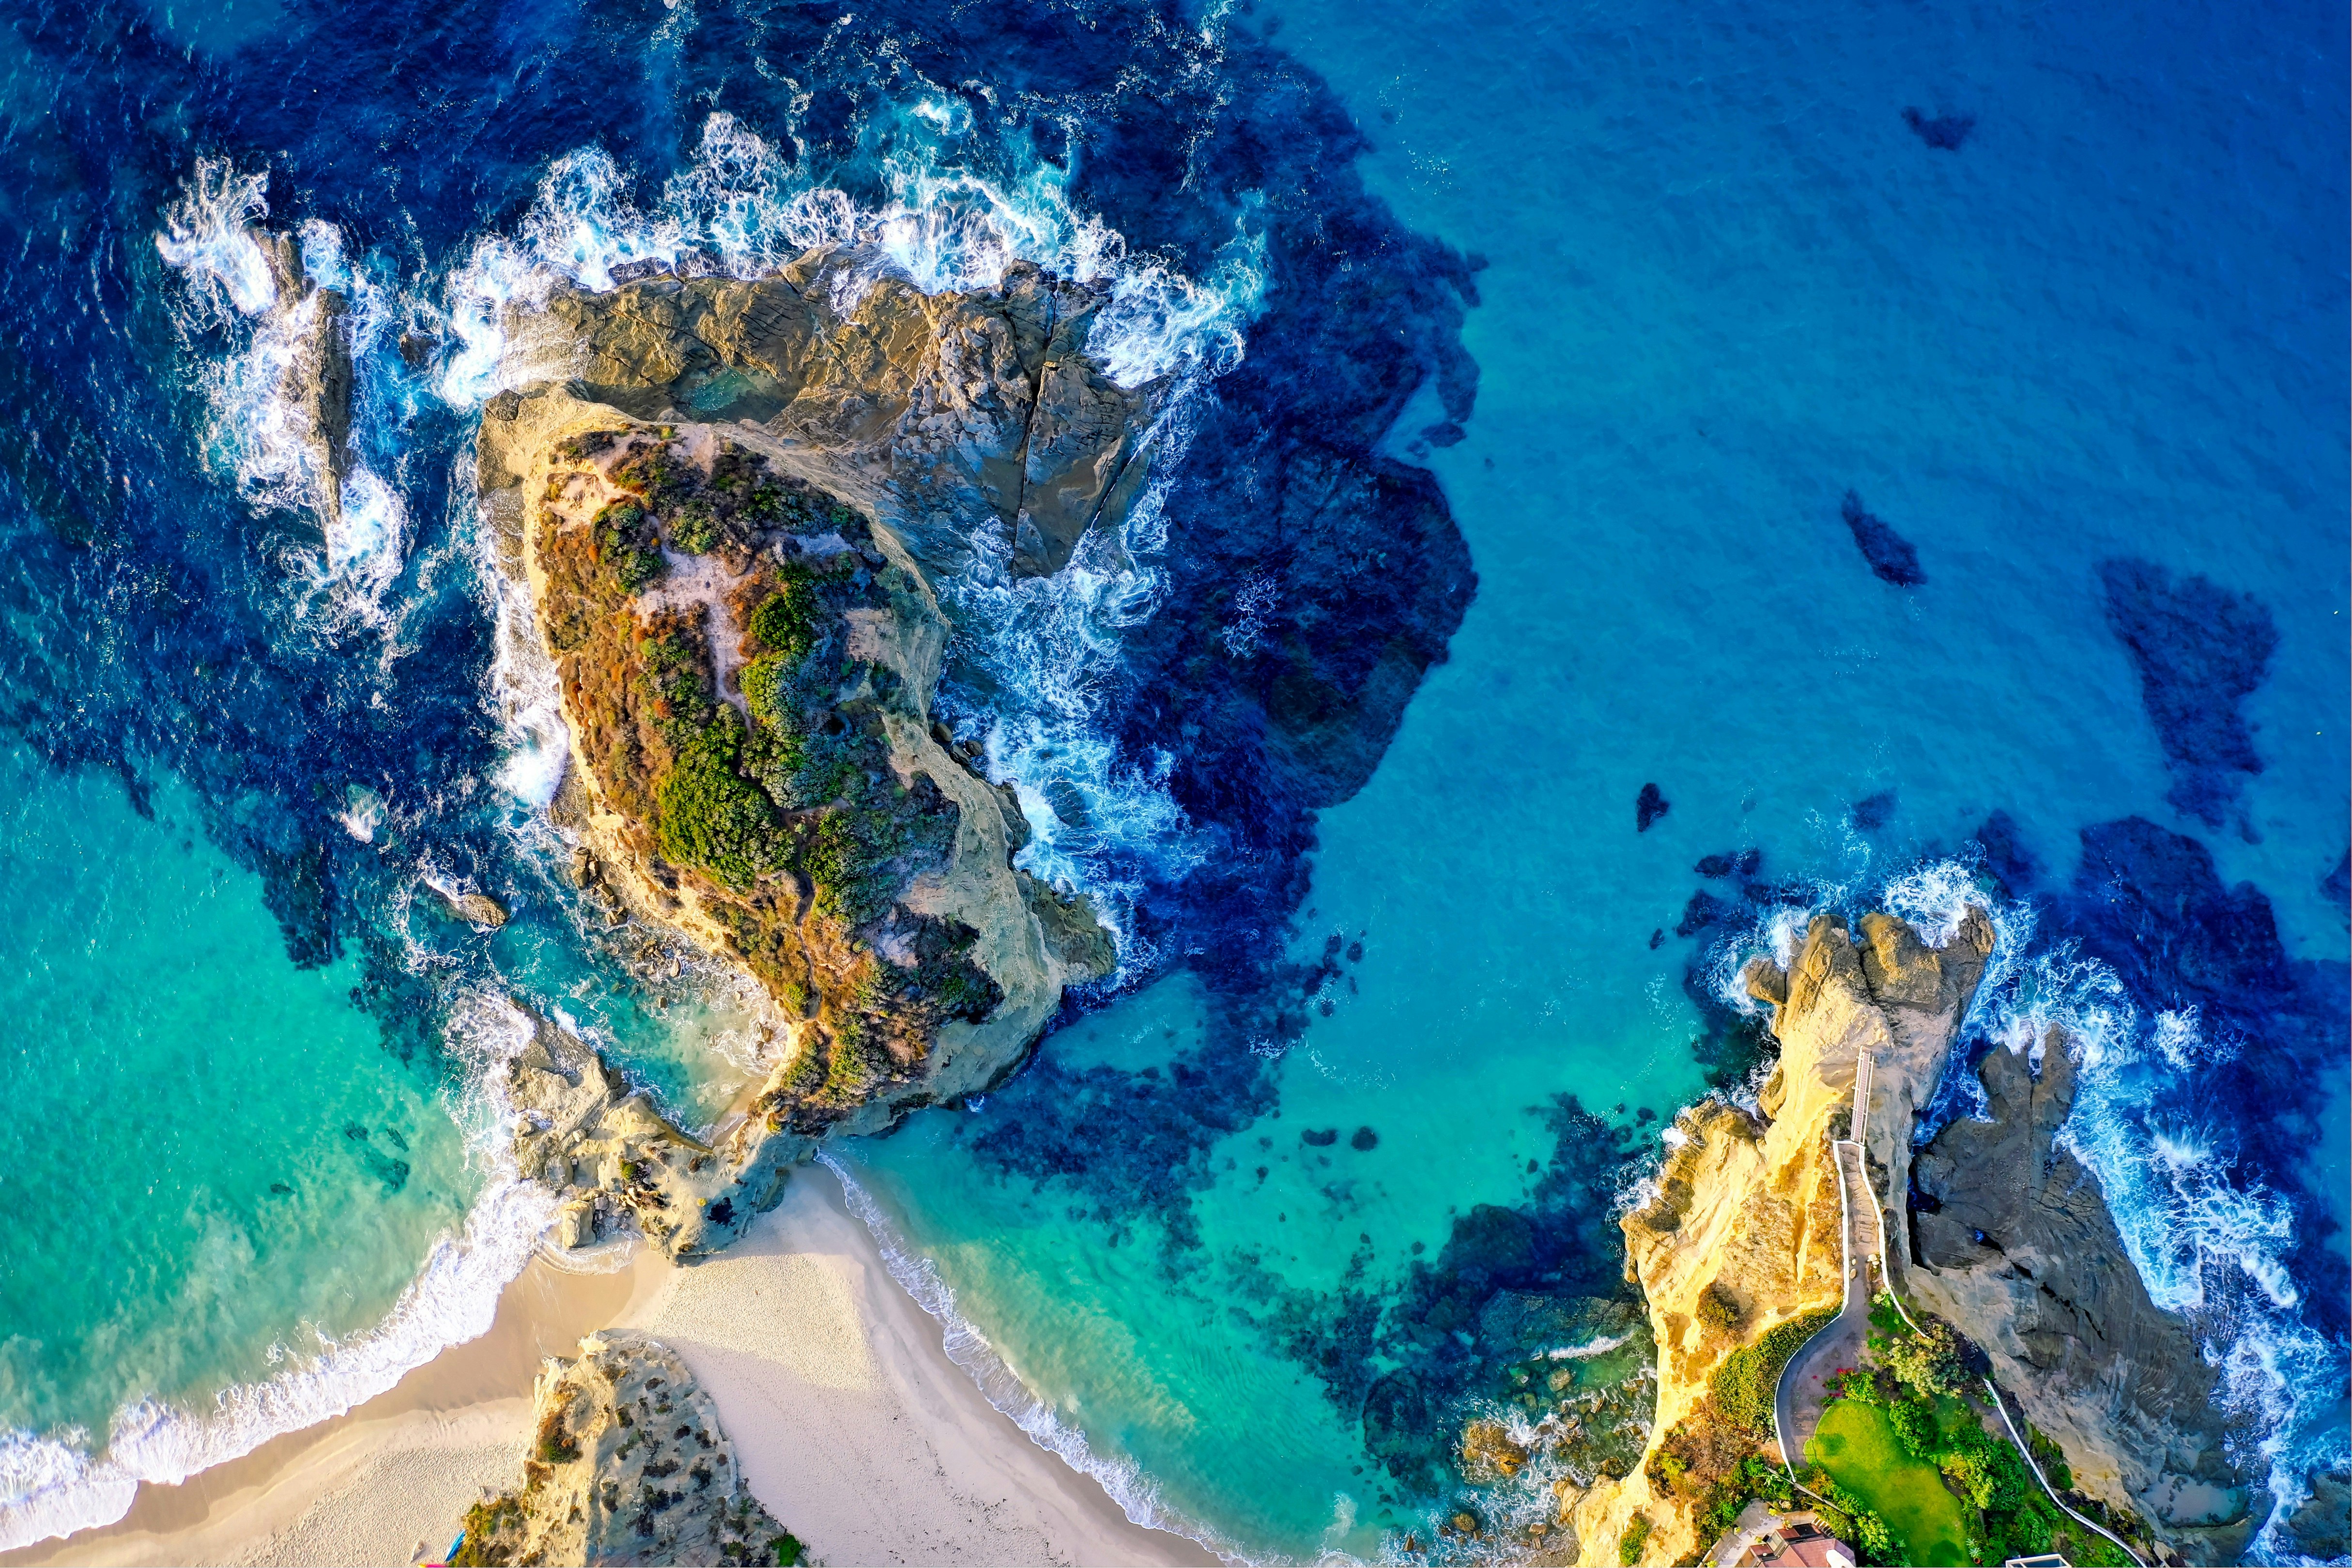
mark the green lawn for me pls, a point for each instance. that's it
(1856, 1445)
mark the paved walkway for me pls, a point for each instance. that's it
(1804, 1382)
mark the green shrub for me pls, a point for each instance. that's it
(695, 529)
(1929, 1361)
(1915, 1423)
(787, 1550)
(625, 546)
(1630, 1544)
(789, 620)
(1744, 1384)
(709, 817)
(1717, 1310)
(2053, 1459)
(767, 691)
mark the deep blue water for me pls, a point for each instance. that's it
(1869, 438)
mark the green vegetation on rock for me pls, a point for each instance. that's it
(709, 817)
(627, 546)
(795, 824)
(1636, 1536)
(1744, 1385)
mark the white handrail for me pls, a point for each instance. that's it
(2003, 1406)
(1885, 1264)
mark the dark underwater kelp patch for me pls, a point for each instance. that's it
(2199, 650)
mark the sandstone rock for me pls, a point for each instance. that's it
(908, 432)
(627, 1465)
(951, 418)
(1489, 1453)
(586, 1133)
(2048, 1293)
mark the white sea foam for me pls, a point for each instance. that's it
(1137, 1496)
(243, 341)
(951, 221)
(54, 1484)
(208, 235)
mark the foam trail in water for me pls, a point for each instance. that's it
(1050, 648)
(246, 343)
(966, 1346)
(50, 1485)
(2209, 1242)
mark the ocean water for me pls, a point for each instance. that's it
(1527, 357)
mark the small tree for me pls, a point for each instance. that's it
(1929, 1361)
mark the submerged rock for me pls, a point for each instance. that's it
(1892, 558)
(475, 908)
(1944, 133)
(2200, 651)
(627, 1464)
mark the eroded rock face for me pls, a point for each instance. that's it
(627, 1465)
(619, 1166)
(956, 420)
(1747, 1210)
(2019, 1251)
(316, 383)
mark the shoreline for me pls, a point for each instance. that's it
(852, 1426)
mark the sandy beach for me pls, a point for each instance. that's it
(852, 1426)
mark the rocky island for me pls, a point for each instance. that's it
(733, 504)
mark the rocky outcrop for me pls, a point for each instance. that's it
(739, 601)
(627, 1465)
(619, 1167)
(2022, 1257)
(1743, 1232)
(958, 421)
(315, 385)
(2013, 1244)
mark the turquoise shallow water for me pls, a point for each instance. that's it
(229, 1167)
(1721, 283)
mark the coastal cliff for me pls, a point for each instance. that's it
(731, 503)
(1740, 1252)
(627, 1464)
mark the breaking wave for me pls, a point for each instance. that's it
(53, 1485)
(248, 342)
(966, 1346)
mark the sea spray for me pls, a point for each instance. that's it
(244, 344)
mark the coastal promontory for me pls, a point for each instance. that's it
(732, 505)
